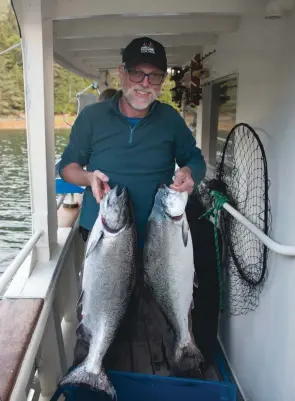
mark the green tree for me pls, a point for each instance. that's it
(11, 74)
(66, 84)
(166, 96)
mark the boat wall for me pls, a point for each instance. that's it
(260, 345)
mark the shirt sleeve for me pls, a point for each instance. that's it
(187, 153)
(78, 148)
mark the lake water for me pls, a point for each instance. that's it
(15, 207)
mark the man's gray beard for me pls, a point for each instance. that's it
(141, 106)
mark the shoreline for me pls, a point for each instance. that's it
(19, 123)
(60, 122)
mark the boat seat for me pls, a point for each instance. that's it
(18, 319)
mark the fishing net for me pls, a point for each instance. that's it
(242, 177)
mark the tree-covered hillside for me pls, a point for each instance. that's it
(66, 84)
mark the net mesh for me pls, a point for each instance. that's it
(243, 177)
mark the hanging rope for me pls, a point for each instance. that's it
(10, 48)
(219, 201)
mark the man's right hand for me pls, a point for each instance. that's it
(99, 185)
(97, 180)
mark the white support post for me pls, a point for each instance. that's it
(199, 125)
(70, 321)
(37, 46)
(50, 363)
(205, 134)
(210, 96)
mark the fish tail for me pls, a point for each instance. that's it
(187, 361)
(80, 377)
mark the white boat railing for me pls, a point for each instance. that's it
(12, 269)
(60, 201)
(285, 250)
(276, 247)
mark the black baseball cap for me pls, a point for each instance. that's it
(145, 51)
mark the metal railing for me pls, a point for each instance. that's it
(286, 250)
(12, 269)
(280, 249)
(62, 189)
(60, 201)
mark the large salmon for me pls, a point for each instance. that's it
(169, 272)
(108, 279)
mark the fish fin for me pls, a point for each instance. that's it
(196, 280)
(91, 245)
(185, 232)
(79, 305)
(82, 345)
(187, 361)
(80, 377)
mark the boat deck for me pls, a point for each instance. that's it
(144, 342)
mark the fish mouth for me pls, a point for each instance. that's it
(173, 202)
(117, 193)
(168, 189)
(115, 210)
(120, 190)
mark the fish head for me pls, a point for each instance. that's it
(173, 202)
(115, 209)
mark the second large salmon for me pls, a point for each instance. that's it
(169, 272)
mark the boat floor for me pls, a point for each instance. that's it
(144, 342)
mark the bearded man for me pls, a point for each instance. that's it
(132, 140)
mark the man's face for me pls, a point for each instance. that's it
(140, 95)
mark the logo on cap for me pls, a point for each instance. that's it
(147, 47)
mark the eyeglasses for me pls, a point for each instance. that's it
(139, 76)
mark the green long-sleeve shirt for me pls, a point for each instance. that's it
(140, 157)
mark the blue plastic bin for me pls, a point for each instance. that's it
(142, 387)
(63, 187)
(139, 387)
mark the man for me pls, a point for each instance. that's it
(132, 140)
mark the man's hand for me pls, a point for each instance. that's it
(99, 185)
(183, 181)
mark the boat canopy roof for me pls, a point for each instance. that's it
(90, 34)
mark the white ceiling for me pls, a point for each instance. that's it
(89, 34)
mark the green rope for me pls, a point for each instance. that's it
(219, 201)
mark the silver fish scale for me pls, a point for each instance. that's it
(169, 272)
(108, 277)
